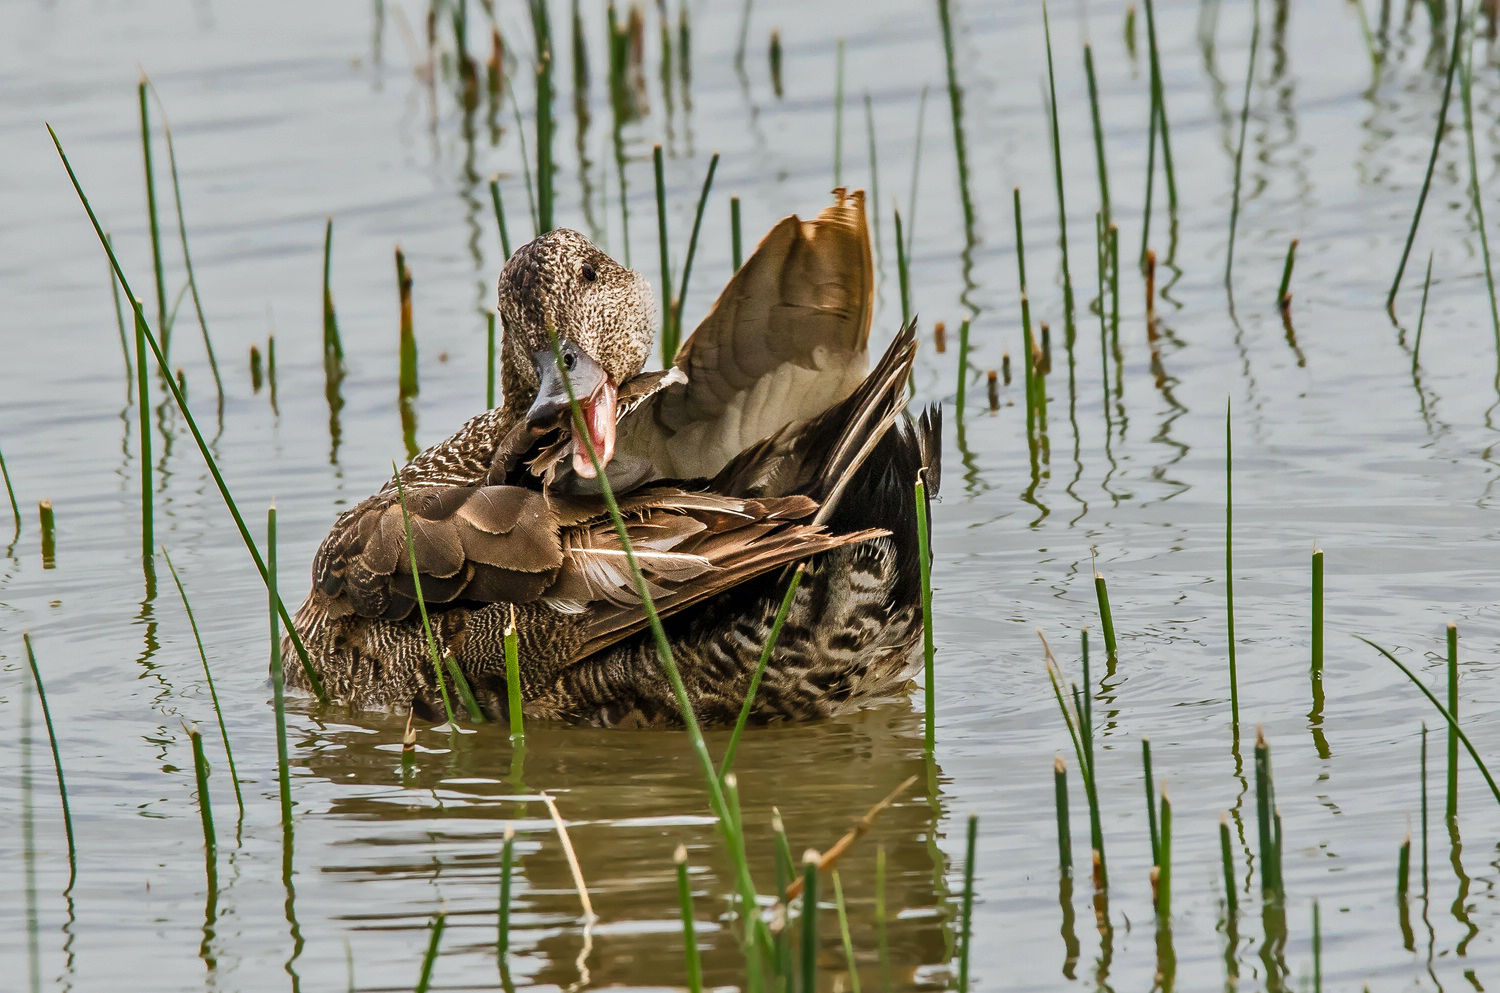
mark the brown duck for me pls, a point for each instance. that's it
(765, 445)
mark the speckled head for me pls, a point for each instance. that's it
(604, 316)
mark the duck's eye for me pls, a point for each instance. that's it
(589, 275)
(569, 360)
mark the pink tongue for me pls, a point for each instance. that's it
(599, 419)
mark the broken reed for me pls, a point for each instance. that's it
(1028, 347)
(1163, 870)
(1317, 626)
(734, 233)
(208, 677)
(1284, 292)
(333, 345)
(1106, 618)
(513, 714)
(49, 534)
(1150, 784)
(809, 920)
(1267, 822)
(1080, 733)
(1064, 826)
(205, 809)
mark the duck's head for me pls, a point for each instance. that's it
(603, 318)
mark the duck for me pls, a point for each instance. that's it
(770, 445)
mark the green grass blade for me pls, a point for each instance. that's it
(514, 713)
(1160, 99)
(425, 979)
(1437, 141)
(1064, 825)
(1062, 207)
(10, 491)
(161, 283)
(1416, 348)
(902, 273)
(1231, 896)
(62, 784)
(1099, 157)
(213, 466)
(687, 265)
(234, 776)
(1467, 92)
(1151, 802)
(500, 216)
(1284, 292)
(283, 761)
(760, 670)
(205, 810)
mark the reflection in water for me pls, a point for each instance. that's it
(629, 800)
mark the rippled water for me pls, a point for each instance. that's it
(285, 114)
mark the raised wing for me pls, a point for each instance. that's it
(785, 341)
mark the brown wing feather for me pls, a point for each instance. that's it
(786, 340)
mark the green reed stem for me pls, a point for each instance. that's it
(1452, 810)
(1062, 207)
(314, 682)
(187, 256)
(902, 272)
(874, 170)
(1064, 827)
(851, 963)
(489, 361)
(432, 648)
(161, 283)
(687, 265)
(428, 959)
(963, 366)
(1416, 348)
(49, 534)
(1437, 140)
(1026, 363)
(1423, 790)
(507, 860)
(1317, 943)
(1226, 858)
(882, 938)
(500, 216)
(1234, 682)
(143, 413)
(1466, 90)
(734, 233)
(838, 116)
(1159, 97)
(234, 776)
(1284, 293)
(760, 670)
(526, 165)
(1106, 616)
(1151, 803)
(924, 563)
(1073, 719)
(916, 168)
(966, 920)
(29, 851)
(62, 784)
(689, 936)
(278, 680)
(114, 286)
(757, 934)
(514, 714)
(1088, 68)
(1403, 869)
(205, 810)
(333, 345)
(1164, 862)
(1317, 616)
(666, 266)
(10, 491)
(1270, 882)
(1239, 152)
(810, 921)
(545, 180)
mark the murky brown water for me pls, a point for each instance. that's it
(285, 114)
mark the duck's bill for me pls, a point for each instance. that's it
(597, 396)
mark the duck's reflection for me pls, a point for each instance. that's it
(629, 798)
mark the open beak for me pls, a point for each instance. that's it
(597, 402)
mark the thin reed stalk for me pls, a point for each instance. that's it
(851, 963)
(114, 286)
(838, 115)
(1437, 141)
(1317, 618)
(1064, 828)
(689, 936)
(963, 366)
(1226, 858)
(536, 228)
(734, 233)
(161, 283)
(1099, 157)
(1234, 682)
(278, 680)
(1159, 98)
(1151, 802)
(545, 179)
(882, 938)
(1265, 806)
(1452, 808)
(795, 581)
(966, 918)
(1284, 292)
(687, 265)
(1317, 948)
(1062, 207)
(205, 810)
(507, 860)
(212, 464)
(1403, 868)
(1467, 92)
(49, 534)
(489, 360)
(500, 216)
(1164, 861)
(10, 491)
(874, 171)
(1239, 153)
(333, 345)
(514, 714)
(143, 416)
(424, 980)
(924, 563)
(809, 920)
(1032, 414)
(62, 783)
(668, 349)
(1106, 617)
(432, 648)
(234, 777)
(1074, 720)
(1416, 348)
(902, 272)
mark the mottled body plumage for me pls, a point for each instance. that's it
(776, 449)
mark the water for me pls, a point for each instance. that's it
(285, 114)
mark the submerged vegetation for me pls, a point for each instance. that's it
(788, 917)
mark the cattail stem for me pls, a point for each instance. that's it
(49, 534)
